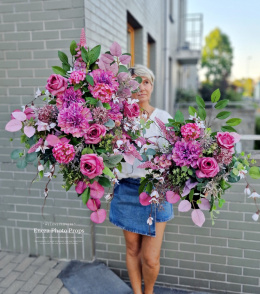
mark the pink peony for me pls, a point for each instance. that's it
(102, 92)
(131, 110)
(208, 167)
(190, 131)
(96, 190)
(94, 133)
(91, 165)
(56, 84)
(63, 152)
(227, 139)
(77, 76)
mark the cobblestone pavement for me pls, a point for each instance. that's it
(22, 274)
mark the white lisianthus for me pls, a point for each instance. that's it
(254, 195)
(48, 175)
(108, 197)
(40, 167)
(247, 191)
(242, 173)
(38, 93)
(155, 194)
(255, 216)
(150, 221)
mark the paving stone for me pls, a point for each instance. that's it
(50, 276)
(7, 269)
(25, 276)
(24, 264)
(32, 282)
(40, 260)
(14, 288)
(6, 282)
(2, 254)
(39, 289)
(42, 270)
(54, 287)
(4, 261)
(19, 258)
(64, 291)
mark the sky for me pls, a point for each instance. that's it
(240, 20)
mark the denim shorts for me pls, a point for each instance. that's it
(129, 214)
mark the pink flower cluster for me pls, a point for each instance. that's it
(63, 152)
(190, 131)
(163, 161)
(77, 76)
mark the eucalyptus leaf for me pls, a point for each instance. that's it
(30, 157)
(115, 159)
(222, 104)
(223, 114)
(16, 153)
(110, 124)
(150, 151)
(145, 157)
(21, 163)
(215, 96)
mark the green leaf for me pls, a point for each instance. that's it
(59, 71)
(228, 129)
(105, 182)
(149, 187)
(190, 172)
(221, 202)
(66, 67)
(87, 150)
(73, 46)
(63, 57)
(91, 100)
(21, 163)
(222, 104)
(202, 113)
(254, 172)
(90, 80)
(179, 117)
(223, 114)
(115, 159)
(107, 106)
(108, 172)
(200, 101)
(145, 157)
(41, 175)
(215, 96)
(85, 195)
(184, 168)
(138, 79)
(119, 166)
(84, 54)
(235, 171)
(142, 185)
(16, 153)
(94, 53)
(192, 110)
(122, 68)
(150, 151)
(191, 194)
(233, 121)
(77, 86)
(30, 157)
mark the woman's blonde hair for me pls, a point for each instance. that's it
(142, 71)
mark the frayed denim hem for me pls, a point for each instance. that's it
(131, 230)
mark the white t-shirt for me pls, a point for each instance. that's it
(131, 171)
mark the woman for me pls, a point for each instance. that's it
(143, 240)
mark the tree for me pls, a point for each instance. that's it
(217, 55)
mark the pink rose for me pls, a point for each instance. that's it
(91, 165)
(227, 139)
(131, 110)
(94, 133)
(56, 84)
(208, 167)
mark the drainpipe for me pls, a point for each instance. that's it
(166, 55)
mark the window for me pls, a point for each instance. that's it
(150, 52)
(131, 43)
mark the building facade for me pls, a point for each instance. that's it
(223, 258)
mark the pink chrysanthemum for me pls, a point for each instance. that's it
(76, 77)
(69, 96)
(63, 152)
(224, 156)
(190, 131)
(107, 80)
(74, 120)
(186, 153)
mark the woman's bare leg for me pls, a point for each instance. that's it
(151, 247)
(133, 260)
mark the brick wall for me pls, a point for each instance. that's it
(221, 259)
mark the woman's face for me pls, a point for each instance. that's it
(145, 92)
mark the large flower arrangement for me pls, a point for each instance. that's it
(197, 165)
(87, 125)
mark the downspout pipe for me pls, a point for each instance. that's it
(166, 56)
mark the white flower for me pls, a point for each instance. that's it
(254, 195)
(40, 167)
(193, 117)
(48, 175)
(247, 191)
(46, 192)
(52, 125)
(155, 194)
(47, 93)
(255, 216)
(115, 181)
(242, 173)
(150, 221)
(52, 167)
(131, 101)
(201, 124)
(38, 93)
(154, 200)
(42, 148)
(115, 100)
(108, 197)
(119, 143)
